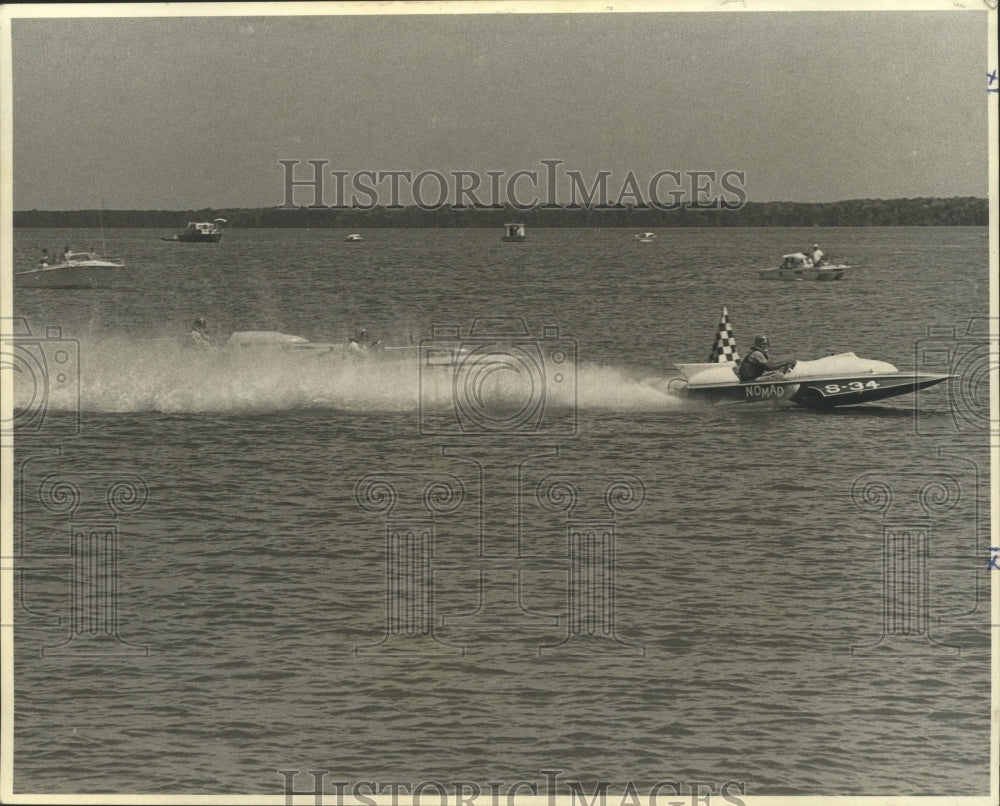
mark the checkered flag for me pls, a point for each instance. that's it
(725, 342)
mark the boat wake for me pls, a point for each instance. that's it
(117, 375)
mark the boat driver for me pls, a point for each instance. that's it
(199, 333)
(757, 362)
(816, 254)
(359, 341)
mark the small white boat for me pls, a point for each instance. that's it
(646, 237)
(514, 233)
(798, 266)
(353, 238)
(72, 270)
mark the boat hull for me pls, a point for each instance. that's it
(816, 393)
(196, 238)
(89, 274)
(806, 273)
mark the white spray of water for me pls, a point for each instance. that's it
(118, 375)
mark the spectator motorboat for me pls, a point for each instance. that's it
(513, 233)
(200, 232)
(799, 266)
(71, 270)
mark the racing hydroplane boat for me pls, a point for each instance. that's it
(835, 380)
(357, 346)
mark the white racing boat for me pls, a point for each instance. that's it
(354, 347)
(843, 379)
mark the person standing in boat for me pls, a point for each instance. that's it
(66, 254)
(757, 362)
(198, 336)
(816, 254)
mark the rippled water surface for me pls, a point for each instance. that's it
(629, 589)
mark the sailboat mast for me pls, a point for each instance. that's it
(100, 220)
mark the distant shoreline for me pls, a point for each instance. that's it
(964, 211)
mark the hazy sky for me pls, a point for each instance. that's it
(196, 112)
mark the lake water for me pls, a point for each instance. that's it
(233, 563)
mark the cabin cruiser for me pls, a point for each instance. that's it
(71, 270)
(799, 266)
(200, 232)
(354, 238)
(842, 379)
(646, 237)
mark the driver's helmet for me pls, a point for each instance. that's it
(761, 343)
(200, 323)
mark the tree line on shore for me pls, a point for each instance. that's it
(965, 211)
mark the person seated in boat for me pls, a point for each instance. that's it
(816, 254)
(757, 362)
(359, 341)
(66, 255)
(43, 261)
(198, 337)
